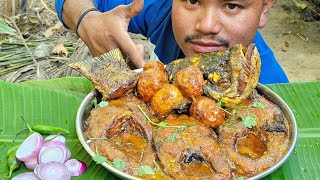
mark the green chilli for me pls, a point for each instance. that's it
(43, 129)
(12, 161)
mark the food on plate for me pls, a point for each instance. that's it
(207, 111)
(155, 65)
(166, 99)
(188, 150)
(253, 150)
(229, 75)
(122, 127)
(151, 80)
(110, 75)
(190, 81)
(200, 118)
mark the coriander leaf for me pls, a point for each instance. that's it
(171, 138)
(249, 121)
(145, 170)
(117, 143)
(119, 163)
(241, 178)
(228, 123)
(103, 104)
(259, 105)
(99, 159)
(234, 111)
(163, 124)
(221, 103)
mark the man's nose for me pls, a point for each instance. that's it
(208, 22)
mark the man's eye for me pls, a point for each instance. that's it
(232, 6)
(193, 1)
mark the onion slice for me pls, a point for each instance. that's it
(52, 171)
(26, 176)
(55, 137)
(29, 150)
(76, 167)
(53, 151)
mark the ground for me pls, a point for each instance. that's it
(293, 34)
(294, 41)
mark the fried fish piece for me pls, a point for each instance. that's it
(121, 131)
(230, 75)
(187, 149)
(253, 150)
(109, 73)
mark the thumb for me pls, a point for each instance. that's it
(134, 8)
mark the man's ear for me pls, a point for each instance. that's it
(267, 4)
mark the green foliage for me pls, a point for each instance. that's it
(145, 170)
(98, 158)
(103, 104)
(300, 4)
(5, 28)
(249, 121)
(119, 164)
(258, 105)
(228, 123)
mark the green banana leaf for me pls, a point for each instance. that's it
(55, 102)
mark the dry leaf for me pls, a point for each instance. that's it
(60, 50)
(33, 20)
(286, 44)
(58, 25)
(49, 31)
(284, 48)
(42, 50)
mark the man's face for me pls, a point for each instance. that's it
(211, 25)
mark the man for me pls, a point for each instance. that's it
(178, 28)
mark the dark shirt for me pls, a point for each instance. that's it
(154, 22)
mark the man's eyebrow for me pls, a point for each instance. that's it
(233, 0)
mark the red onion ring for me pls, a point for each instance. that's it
(76, 167)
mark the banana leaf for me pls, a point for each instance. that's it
(55, 102)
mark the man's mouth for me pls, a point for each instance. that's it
(201, 46)
(203, 43)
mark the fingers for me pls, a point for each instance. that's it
(134, 8)
(140, 50)
(134, 52)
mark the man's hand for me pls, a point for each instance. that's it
(103, 32)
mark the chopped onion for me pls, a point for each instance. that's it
(68, 154)
(32, 163)
(55, 137)
(26, 176)
(29, 149)
(53, 151)
(76, 167)
(52, 171)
